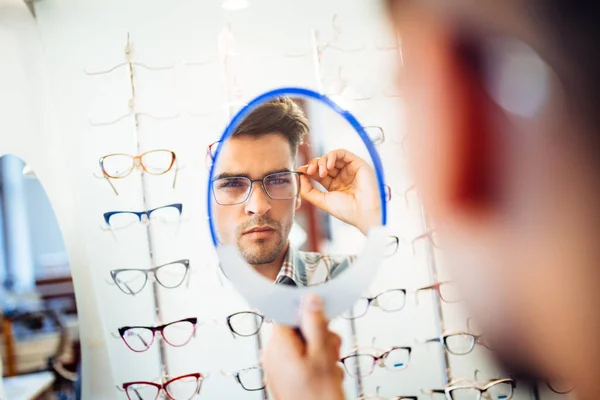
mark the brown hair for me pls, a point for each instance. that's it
(278, 116)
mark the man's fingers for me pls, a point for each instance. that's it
(313, 166)
(323, 166)
(284, 342)
(312, 194)
(314, 326)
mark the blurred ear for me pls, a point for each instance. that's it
(298, 201)
(448, 141)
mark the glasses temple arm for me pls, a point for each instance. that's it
(111, 185)
(137, 394)
(176, 174)
(127, 286)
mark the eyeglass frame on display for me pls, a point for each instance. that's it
(137, 163)
(237, 373)
(443, 339)
(376, 360)
(436, 287)
(379, 129)
(163, 386)
(396, 243)
(262, 184)
(140, 214)
(235, 333)
(461, 384)
(122, 330)
(430, 235)
(372, 302)
(185, 262)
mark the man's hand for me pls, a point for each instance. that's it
(295, 370)
(352, 193)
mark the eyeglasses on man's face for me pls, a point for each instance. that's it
(154, 162)
(229, 191)
(388, 301)
(176, 334)
(363, 364)
(121, 219)
(250, 379)
(183, 387)
(132, 281)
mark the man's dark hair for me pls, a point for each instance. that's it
(278, 116)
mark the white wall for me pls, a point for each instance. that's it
(47, 102)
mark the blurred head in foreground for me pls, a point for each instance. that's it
(502, 100)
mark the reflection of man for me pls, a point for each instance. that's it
(502, 104)
(257, 190)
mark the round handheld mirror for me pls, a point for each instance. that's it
(297, 203)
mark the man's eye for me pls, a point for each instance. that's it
(232, 184)
(280, 180)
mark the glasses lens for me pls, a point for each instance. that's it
(466, 393)
(131, 281)
(245, 323)
(166, 214)
(391, 247)
(142, 391)
(449, 292)
(460, 344)
(171, 275)
(252, 379)
(229, 191)
(183, 388)
(122, 220)
(358, 310)
(138, 339)
(178, 333)
(117, 165)
(392, 300)
(397, 359)
(158, 161)
(500, 391)
(359, 365)
(282, 186)
(375, 133)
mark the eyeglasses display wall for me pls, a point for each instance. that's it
(143, 90)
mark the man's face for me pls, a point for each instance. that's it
(259, 226)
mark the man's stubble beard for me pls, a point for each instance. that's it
(264, 255)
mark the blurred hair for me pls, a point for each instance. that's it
(278, 116)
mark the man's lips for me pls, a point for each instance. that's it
(259, 229)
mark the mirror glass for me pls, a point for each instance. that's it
(40, 339)
(295, 189)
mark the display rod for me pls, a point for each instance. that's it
(128, 53)
(438, 304)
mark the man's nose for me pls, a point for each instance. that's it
(258, 202)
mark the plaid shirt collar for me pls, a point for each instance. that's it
(300, 268)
